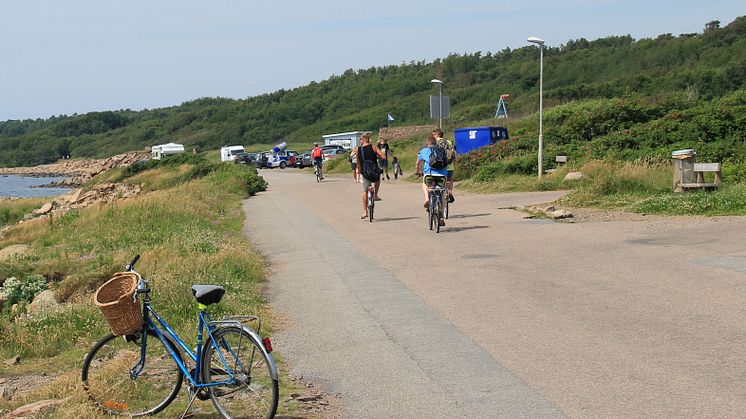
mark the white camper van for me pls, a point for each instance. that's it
(228, 152)
(159, 151)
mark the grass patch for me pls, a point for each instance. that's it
(13, 210)
(639, 187)
(186, 234)
(514, 183)
(728, 200)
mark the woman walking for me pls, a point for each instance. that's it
(353, 163)
(367, 166)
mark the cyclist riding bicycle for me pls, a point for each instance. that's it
(451, 156)
(367, 167)
(429, 173)
(318, 157)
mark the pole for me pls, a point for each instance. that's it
(541, 111)
(440, 105)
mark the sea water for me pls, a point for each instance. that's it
(23, 186)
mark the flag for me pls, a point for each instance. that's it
(390, 117)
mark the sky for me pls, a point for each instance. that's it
(79, 56)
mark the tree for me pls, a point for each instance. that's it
(712, 25)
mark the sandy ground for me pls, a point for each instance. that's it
(607, 317)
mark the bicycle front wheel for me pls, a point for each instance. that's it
(248, 389)
(107, 380)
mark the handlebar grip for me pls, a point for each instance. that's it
(132, 264)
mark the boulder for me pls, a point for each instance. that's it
(572, 176)
(105, 186)
(43, 303)
(74, 196)
(13, 361)
(35, 409)
(6, 392)
(45, 209)
(14, 250)
(560, 214)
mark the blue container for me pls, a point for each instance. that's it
(279, 147)
(468, 139)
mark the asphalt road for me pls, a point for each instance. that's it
(499, 315)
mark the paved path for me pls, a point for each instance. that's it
(519, 318)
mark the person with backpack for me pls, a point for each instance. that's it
(383, 163)
(317, 155)
(450, 157)
(367, 165)
(431, 161)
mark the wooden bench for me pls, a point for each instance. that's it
(699, 170)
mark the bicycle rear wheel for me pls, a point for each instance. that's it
(106, 376)
(438, 213)
(252, 393)
(371, 205)
(431, 211)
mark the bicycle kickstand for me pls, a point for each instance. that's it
(189, 412)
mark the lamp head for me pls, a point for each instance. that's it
(536, 40)
(436, 81)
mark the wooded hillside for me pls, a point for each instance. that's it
(696, 67)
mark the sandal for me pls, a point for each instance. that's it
(362, 217)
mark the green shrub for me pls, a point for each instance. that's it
(255, 183)
(170, 161)
(15, 290)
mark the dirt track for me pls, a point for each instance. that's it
(625, 318)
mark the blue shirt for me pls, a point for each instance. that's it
(426, 169)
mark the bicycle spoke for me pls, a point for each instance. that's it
(106, 375)
(251, 389)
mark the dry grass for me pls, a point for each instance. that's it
(189, 234)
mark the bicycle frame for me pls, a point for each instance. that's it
(194, 378)
(205, 323)
(434, 188)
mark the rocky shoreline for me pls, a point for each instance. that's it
(76, 171)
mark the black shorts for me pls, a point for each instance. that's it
(383, 163)
(449, 175)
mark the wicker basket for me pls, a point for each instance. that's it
(114, 298)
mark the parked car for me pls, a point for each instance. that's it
(262, 160)
(303, 160)
(281, 159)
(335, 152)
(326, 148)
(245, 158)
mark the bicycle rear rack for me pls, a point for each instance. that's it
(239, 321)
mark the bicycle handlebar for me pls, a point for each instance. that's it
(131, 265)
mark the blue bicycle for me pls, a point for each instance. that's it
(141, 374)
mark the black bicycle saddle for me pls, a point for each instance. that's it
(208, 294)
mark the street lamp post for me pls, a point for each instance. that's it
(440, 101)
(540, 43)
